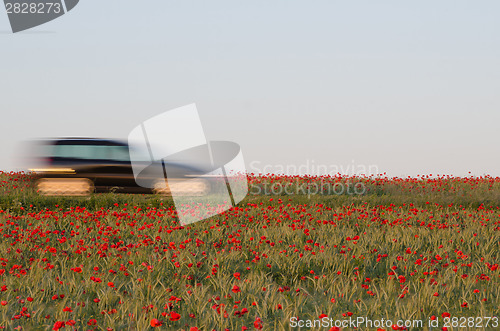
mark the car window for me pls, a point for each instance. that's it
(92, 152)
(119, 153)
(138, 154)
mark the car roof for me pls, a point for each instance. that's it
(84, 141)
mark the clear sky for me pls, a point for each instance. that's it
(410, 87)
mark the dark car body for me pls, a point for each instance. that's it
(105, 163)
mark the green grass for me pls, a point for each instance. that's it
(300, 248)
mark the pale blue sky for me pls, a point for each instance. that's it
(411, 87)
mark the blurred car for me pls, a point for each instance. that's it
(81, 166)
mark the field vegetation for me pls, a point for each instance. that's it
(417, 248)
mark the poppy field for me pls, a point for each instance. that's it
(419, 248)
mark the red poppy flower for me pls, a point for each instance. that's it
(174, 316)
(155, 323)
(58, 325)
